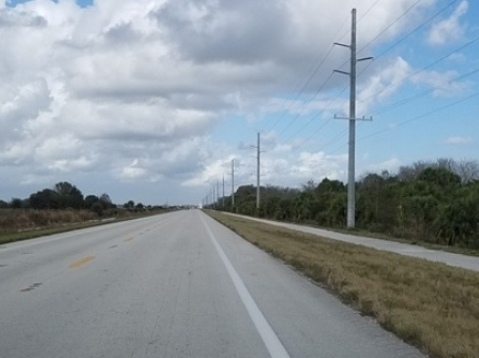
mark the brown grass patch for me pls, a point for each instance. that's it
(24, 224)
(431, 305)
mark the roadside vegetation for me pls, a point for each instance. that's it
(432, 203)
(62, 208)
(430, 305)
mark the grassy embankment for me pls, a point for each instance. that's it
(19, 224)
(432, 306)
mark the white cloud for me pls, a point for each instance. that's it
(25, 100)
(391, 165)
(132, 171)
(320, 165)
(443, 83)
(211, 171)
(68, 165)
(132, 90)
(457, 140)
(382, 84)
(450, 29)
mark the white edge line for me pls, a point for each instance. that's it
(270, 339)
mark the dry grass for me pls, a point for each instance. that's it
(19, 219)
(433, 306)
(24, 224)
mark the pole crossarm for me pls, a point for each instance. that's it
(342, 72)
(363, 118)
(365, 59)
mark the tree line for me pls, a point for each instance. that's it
(436, 202)
(65, 195)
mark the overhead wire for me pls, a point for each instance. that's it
(359, 20)
(390, 25)
(422, 115)
(311, 121)
(305, 85)
(439, 109)
(410, 99)
(421, 94)
(306, 105)
(432, 64)
(343, 133)
(313, 134)
(402, 39)
(308, 81)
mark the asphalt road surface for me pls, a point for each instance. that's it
(451, 259)
(172, 285)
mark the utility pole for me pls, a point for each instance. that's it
(258, 172)
(214, 197)
(218, 191)
(351, 216)
(223, 198)
(232, 182)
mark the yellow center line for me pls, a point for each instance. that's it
(81, 261)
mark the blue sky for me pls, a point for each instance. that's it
(151, 100)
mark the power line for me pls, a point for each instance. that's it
(359, 20)
(421, 94)
(367, 11)
(422, 115)
(424, 23)
(343, 133)
(416, 29)
(421, 70)
(328, 106)
(390, 25)
(315, 71)
(305, 85)
(404, 101)
(384, 30)
(384, 130)
(305, 106)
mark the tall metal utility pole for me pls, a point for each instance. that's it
(223, 197)
(232, 182)
(214, 197)
(258, 173)
(351, 216)
(218, 191)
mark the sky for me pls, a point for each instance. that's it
(152, 101)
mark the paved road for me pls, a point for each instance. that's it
(451, 259)
(173, 285)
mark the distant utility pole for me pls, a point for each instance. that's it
(352, 123)
(257, 172)
(223, 198)
(218, 191)
(232, 182)
(214, 197)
